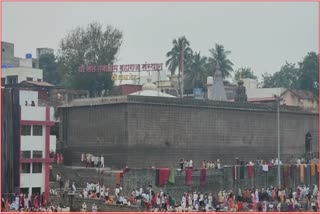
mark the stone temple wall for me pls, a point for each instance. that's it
(144, 132)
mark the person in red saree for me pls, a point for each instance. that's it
(43, 200)
(36, 202)
(21, 201)
(273, 195)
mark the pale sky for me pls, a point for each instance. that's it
(259, 35)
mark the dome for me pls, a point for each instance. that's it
(149, 85)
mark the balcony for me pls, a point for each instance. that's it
(36, 113)
(29, 143)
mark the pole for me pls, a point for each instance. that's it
(278, 119)
(158, 81)
(139, 79)
(182, 72)
(98, 162)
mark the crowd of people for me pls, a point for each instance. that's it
(90, 160)
(304, 198)
(217, 164)
(27, 203)
(270, 199)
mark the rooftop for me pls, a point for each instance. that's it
(181, 102)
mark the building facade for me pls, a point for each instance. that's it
(16, 75)
(301, 98)
(27, 145)
(36, 143)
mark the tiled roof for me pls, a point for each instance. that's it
(46, 84)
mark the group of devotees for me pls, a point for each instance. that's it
(271, 199)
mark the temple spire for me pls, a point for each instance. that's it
(218, 88)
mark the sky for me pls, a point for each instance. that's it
(262, 36)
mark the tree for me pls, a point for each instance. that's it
(93, 45)
(244, 73)
(174, 55)
(309, 73)
(287, 77)
(219, 55)
(179, 57)
(49, 65)
(196, 74)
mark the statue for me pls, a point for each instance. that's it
(240, 95)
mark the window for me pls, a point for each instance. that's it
(26, 130)
(25, 154)
(29, 78)
(37, 130)
(12, 79)
(25, 168)
(39, 80)
(36, 167)
(3, 81)
(36, 190)
(24, 190)
(37, 154)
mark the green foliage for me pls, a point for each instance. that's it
(309, 73)
(220, 56)
(244, 73)
(304, 77)
(174, 55)
(93, 45)
(49, 65)
(287, 77)
(196, 72)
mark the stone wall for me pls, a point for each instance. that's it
(144, 132)
(83, 125)
(218, 180)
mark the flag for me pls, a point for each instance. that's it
(172, 178)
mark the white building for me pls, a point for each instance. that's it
(16, 75)
(151, 90)
(122, 78)
(36, 143)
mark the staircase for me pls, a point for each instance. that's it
(82, 175)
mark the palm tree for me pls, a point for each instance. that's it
(196, 74)
(244, 72)
(174, 55)
(219, 55)
(179, 56)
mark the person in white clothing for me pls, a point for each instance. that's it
(94, 207)
(96, 160)
(84, 206)
(195, 197)
(73, 187)
(210, 200)
(26, 200)
(102, 161)
(58, 177)
(257, 196)
(190, 164)
(184, 202)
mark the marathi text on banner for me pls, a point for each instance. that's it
(121, 68)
